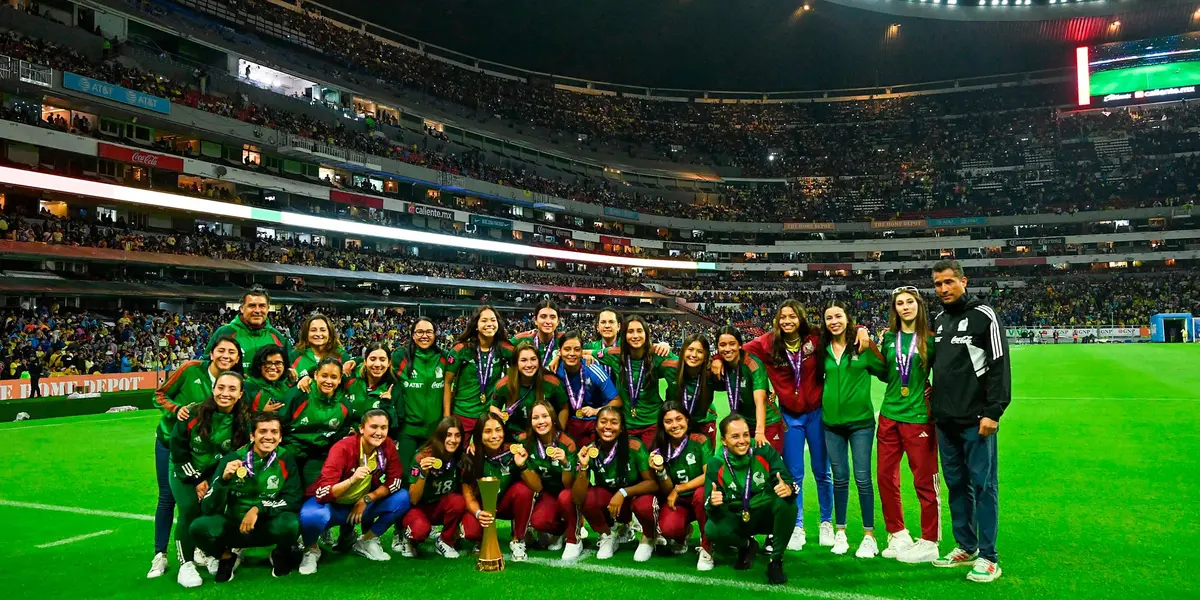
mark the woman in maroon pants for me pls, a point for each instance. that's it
(549, 470)
(494, 458)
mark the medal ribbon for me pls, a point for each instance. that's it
(797, 360)
(537, 344)
(250, 461)
(673, 453)
(576, 399)
(904, 363)
(690, 403)
(446, 466)
(635, 391)
(380, 460)
(734, 389)
(749, 469)
(611, 454)
(484, 369)
(512, 408)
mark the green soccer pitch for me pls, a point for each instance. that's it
(1149, 77)
(1098, 500)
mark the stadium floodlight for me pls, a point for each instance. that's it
(118, 193)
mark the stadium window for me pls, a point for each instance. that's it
(518, 211)
(433, 194)
(251, 155)
(548, 217)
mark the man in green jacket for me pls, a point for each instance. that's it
(251, 327)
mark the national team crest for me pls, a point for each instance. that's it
(273, 483)
(808, 347)
(760, 478)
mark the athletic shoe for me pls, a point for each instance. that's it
(922, 551)
(869, 548)
(199, 557)
(745, 558)
(583, 533)
(555, 543)
(985, 571)
(326, 539)
(518, 551)
(607, 546)
(158, 566)
(644, 550)
(677, 548)
(187, 576)
(798, 539)
(957, 558)
(404, 546)
(705, 562)
(775, 574)
(446, 550)
(308, 563)
(225, 569)
(827, 534)
(572, 551)
(625, 534)
(898, 543)
(282, 562)
(841, 545)
(769, 544)
(370, 549)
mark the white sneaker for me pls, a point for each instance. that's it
(187, 576)
(798, 539)
(608, 545)
(625, 534)
(677, 548)
(556, 543)
(705, 562)
(518, 551)
(827, 534)
(370, 549)
(572, 551)
(923, 551)
(985, 571)
(308, 562)
(644, 550)
(158, 566)
(869, 548)
(444, 549)
(840, 544)
(898, 543)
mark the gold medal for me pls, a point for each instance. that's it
(904, 391)
(437, 463)
(593, 452)
(633, 413)
(504, 416)
(483, 398)
(745, 516)
(242, 472)
(656, 460)
(579, 413)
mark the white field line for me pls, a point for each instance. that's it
(96, 422)
(78, 511)
(72, 540)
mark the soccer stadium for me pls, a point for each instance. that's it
(521, 300)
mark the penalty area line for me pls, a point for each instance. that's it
(78, 538)
(697, 580)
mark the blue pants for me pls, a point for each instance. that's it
(842, 443)
(800, 429)
(969, 465)
(317, 518)
(164, 513)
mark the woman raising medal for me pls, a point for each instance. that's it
(494, 458)
(549, 470)
(476, 363)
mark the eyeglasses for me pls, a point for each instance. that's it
(273, 363)
(912, 289)
(423, 332)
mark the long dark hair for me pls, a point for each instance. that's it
(362, 368)
(479, 457)
(513, 389)
(661, 438)
(703, 391)
(827, 338)
(436, 444)
(470, 335)
(260, 360)
(778, 347)
(922, 322)
(240, 430)
(333, 347)
(622, 442)
(531, 436)
(627, 355)
(229, 337)
(736, 334)
(410, 349)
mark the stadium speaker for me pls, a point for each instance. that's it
(220, 171)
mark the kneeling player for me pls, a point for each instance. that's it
(252, 502)
(749, 492)
(677, 461)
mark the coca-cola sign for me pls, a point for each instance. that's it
(141, 158)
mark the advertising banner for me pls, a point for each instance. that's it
(18, 389)
(140, 157)
(553, 231)
(116, 93)
(620, 213)
(355, 199)
(492, 222)
(957, 222)
(429, 211)
(808, 226)
(898, 224)
(1042, 241)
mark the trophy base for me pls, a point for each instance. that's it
(489, 565)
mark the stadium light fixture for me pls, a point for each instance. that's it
(117, 193)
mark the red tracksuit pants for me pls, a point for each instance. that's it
(447, 511)
(919, 442)
(675, 524)
(595, 510)
(516, 503)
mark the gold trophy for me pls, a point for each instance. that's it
(490, 558)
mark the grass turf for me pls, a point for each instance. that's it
(1148, 77)
(1098, 500)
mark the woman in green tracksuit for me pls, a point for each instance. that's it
(316, 419)
(750, 492)
(219, 424)
(267, 384)
(849, 421)
(318, 340)
(420, 369)
(373, 386)
(188, 386)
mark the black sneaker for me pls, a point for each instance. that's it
(282, 562)
(225, 569)
(775, 574)
(745, 558)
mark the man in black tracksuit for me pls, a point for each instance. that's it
(972, 385)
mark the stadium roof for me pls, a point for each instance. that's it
(775, 45)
